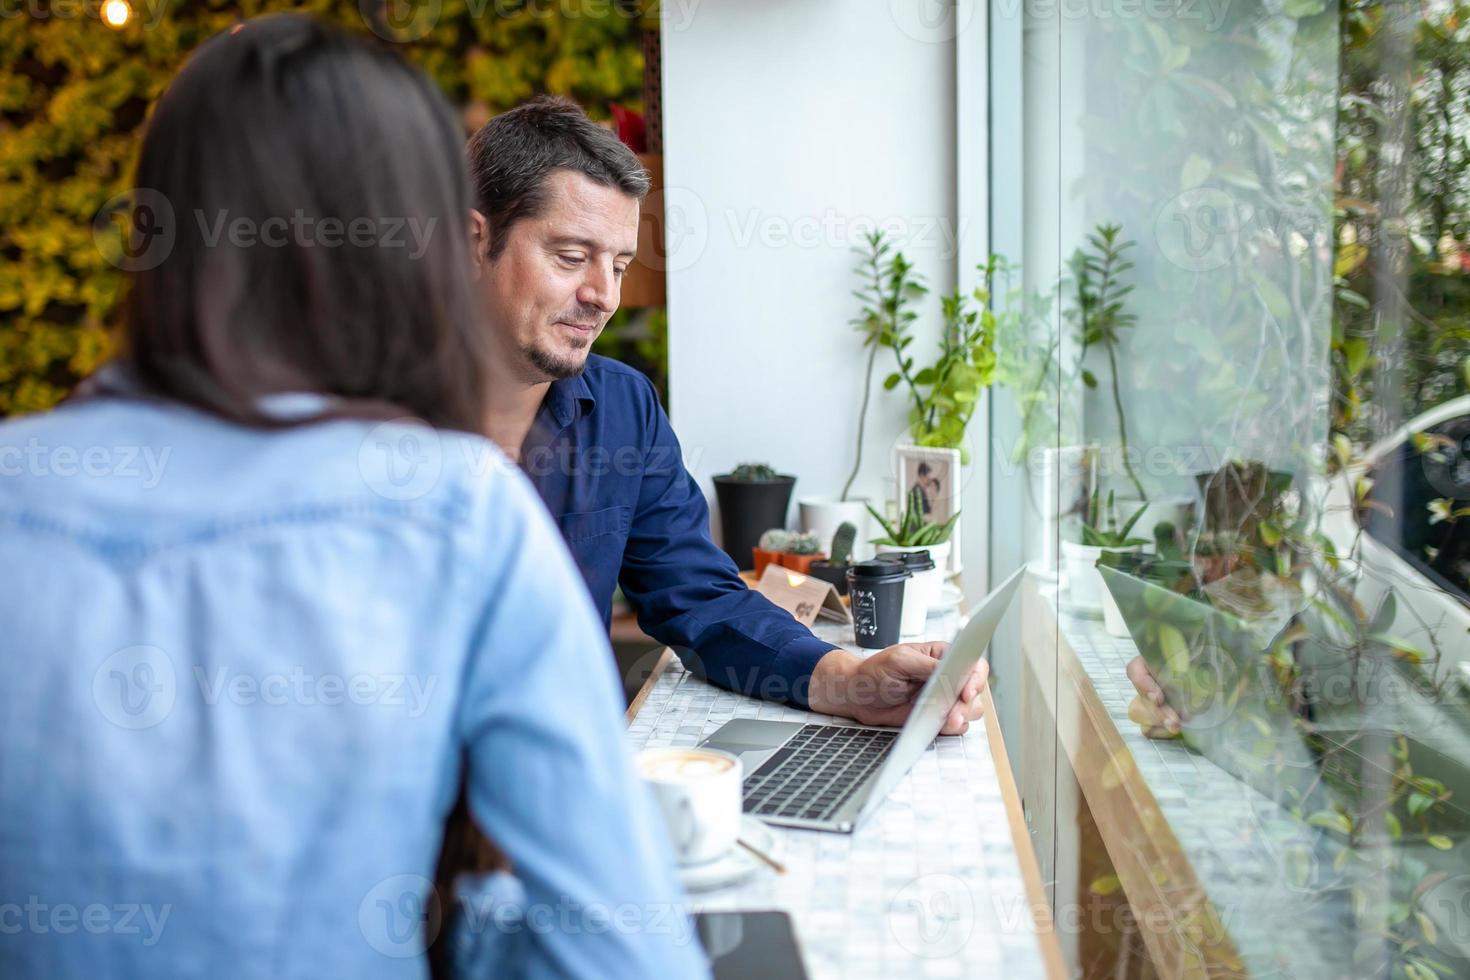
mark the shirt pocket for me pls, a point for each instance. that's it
(588, 525)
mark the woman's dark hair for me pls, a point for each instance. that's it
(513, 154)
(319, 204)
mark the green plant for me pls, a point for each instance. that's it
(804, 543)
(1099, 316)
(1100, 527)
(891, 288)
(753, 473)
(912, 531)
(776, 539)
(842, 542)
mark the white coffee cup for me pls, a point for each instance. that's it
(698, 792)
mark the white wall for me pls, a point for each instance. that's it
(789, 126)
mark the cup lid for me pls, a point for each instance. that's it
(877, 570)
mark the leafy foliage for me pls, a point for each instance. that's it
(912, 531)
(75, 93)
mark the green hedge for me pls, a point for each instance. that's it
(74, 94)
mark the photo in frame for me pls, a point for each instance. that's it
(936, 472)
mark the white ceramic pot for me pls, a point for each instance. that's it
(1085, 586)
(927, 587)
(822, 516)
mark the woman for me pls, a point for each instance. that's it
(258, 629)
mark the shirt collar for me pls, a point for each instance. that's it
(569, 399)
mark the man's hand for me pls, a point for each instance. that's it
(880, 689)
(1148, 709)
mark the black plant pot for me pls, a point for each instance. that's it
(749, 508)
(834, 572)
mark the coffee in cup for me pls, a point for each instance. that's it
(698, 792)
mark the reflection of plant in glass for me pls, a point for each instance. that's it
(1099, 316)
(1100, 527)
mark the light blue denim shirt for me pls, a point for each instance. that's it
(241, 673)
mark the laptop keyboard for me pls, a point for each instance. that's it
(816, 771)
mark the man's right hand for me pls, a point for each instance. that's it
(1148, 709)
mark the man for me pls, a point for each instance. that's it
(555, 227)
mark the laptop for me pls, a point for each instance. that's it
(832, 777)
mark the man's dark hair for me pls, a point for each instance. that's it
(513, 154)
(281, 117)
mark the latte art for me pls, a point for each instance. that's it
(680, 765)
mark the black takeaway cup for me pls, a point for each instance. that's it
(876, 591)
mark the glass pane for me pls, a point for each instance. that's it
(1234, 430)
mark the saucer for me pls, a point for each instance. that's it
(950, 598)
(736, 864)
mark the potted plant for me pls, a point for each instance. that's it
(913, 533)
(1100, 533)
(801, 550)
(834, 570)
(752, 498)
(768, 550)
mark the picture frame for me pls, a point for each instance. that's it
(937, 472)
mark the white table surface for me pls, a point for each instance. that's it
(929, 886)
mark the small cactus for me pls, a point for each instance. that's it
(842, 542)
(775, 539)
(804, 544)
(753, 472)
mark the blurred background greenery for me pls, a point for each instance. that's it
(76, 92)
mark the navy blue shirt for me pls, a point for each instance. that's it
(605, 460)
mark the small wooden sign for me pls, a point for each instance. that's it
(802, 596)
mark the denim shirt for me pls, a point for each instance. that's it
(606, 462)
(240, 676)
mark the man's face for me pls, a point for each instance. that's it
(550, 292)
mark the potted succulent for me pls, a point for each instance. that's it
(913, 533)
(834, 570)
(1100, 533)
(752, 497)
(768, 550)
(801, 550)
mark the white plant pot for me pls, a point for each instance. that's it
(927, 588)
(822, 516)
(1085, 586)
(1113, 620)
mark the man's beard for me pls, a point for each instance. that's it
(555, 367)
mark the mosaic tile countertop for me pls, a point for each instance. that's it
(1246, 851)
(929, 886)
